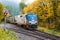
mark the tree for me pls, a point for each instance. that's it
(43, 8)
(11, 10)
(22, 5)
(56, 6)
(1, 11)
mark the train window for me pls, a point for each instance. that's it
(20, 16)
(34, 15)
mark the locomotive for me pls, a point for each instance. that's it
(32, 21)
(28, 20)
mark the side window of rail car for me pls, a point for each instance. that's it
(22, 19)
(20, 16)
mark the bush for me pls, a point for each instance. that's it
(7, 35)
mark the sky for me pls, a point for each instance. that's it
(18, 1)
(29, 1)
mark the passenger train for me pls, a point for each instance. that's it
(28, 20)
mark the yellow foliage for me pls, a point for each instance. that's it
(1, 11)
(58, 9)
(43, 9)
(6, 35)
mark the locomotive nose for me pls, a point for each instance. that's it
(32, 20)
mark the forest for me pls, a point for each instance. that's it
(48, 13)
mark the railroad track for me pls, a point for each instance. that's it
(37, 34)
(50, 36)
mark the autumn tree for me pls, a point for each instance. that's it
(1, 11)
(43, 9)
(57, 13)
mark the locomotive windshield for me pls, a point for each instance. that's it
(31, 17)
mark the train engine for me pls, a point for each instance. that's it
(32, 21)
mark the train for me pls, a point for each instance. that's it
(29, 20)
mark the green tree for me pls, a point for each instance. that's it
(22, 5)
(10, 9)
(1, 11)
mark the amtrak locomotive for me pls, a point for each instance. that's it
(28, 20)
(32, 21)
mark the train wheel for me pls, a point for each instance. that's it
(25, 26)
(33, 27)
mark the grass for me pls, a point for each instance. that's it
(7, 35)
(54, 32)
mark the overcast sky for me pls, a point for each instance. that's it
(18, 1)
